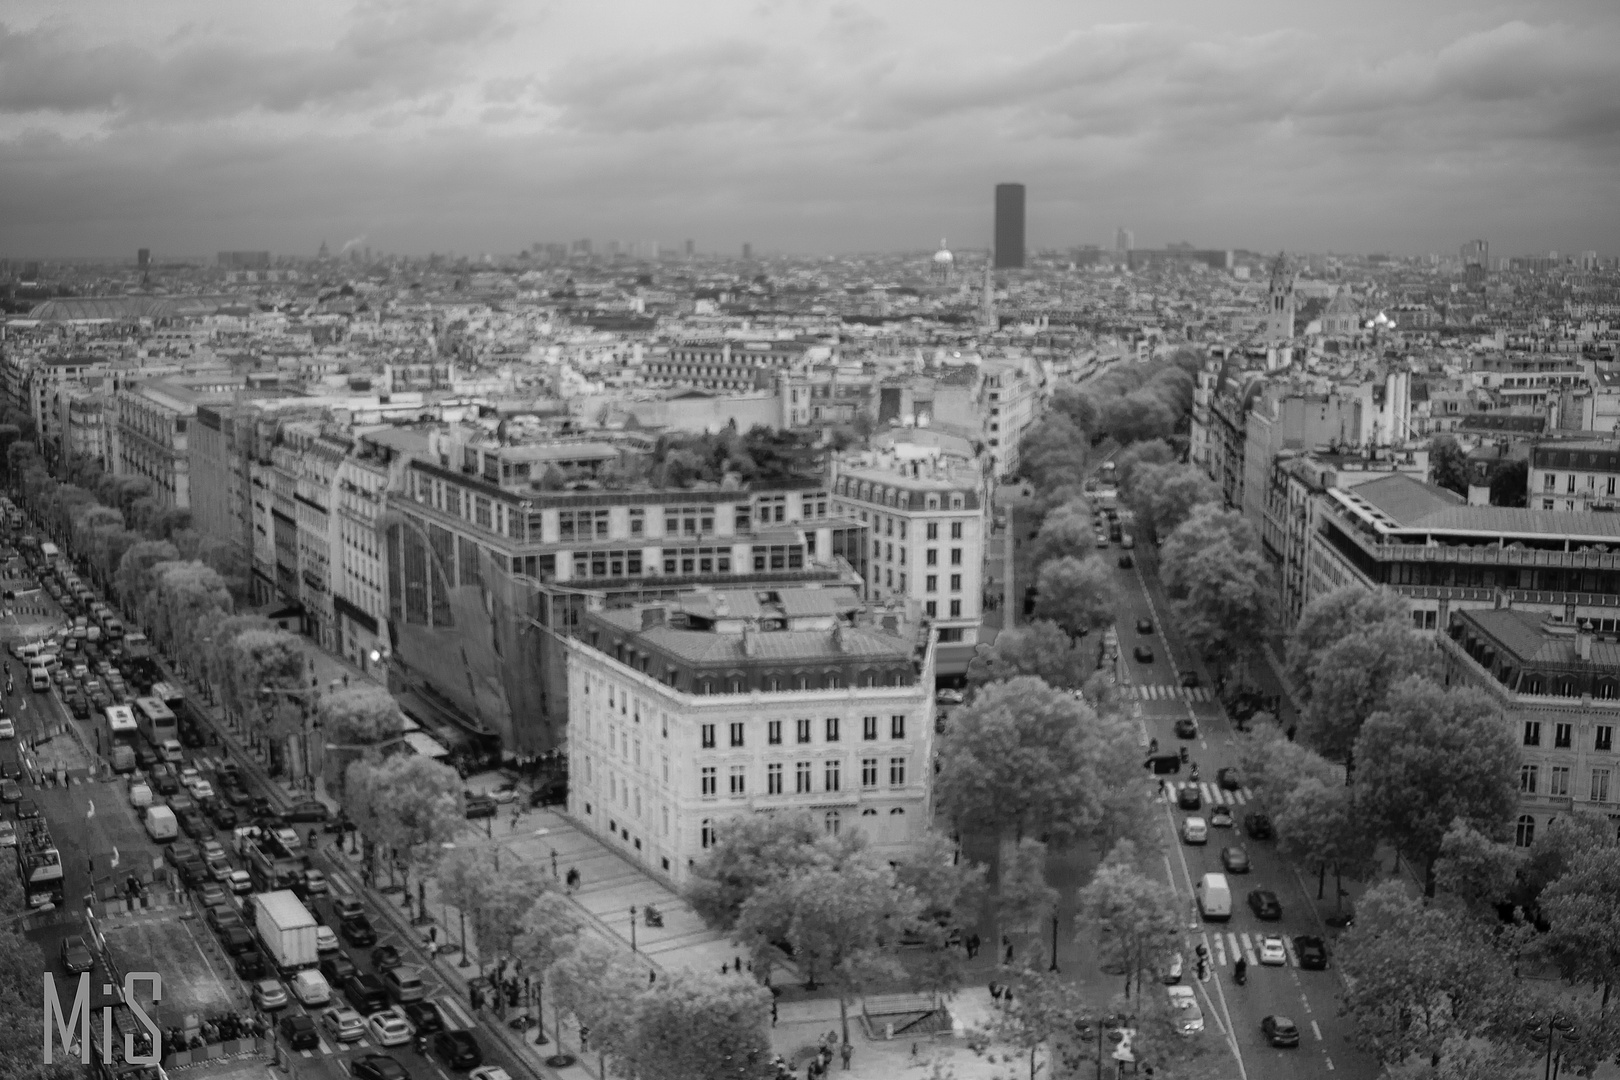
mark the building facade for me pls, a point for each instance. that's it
(1570, 476)
(689, 714)
(154, 432)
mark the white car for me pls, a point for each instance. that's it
(1272, 952)
(344, 1023)
(201, 789)
(241, 883)
(503, 795)
(8, 834)
(949, 697)
(388, 1029)
(8, 728)
(325, 940)
(140, 795)
(189, 775)
(489, 1072)
(1184, 1006)
(289, 839)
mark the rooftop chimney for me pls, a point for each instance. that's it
(838, 637)
(1583, 640)
(652, 616)
(750, 640)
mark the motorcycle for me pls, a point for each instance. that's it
(421, 1045)
(1184, 755)
(1240, 972)
(1194, 774)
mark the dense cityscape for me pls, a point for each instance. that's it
(629, 659)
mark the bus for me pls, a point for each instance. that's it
(39, 865)
(168, 693)
(158, 723)
(118, 736)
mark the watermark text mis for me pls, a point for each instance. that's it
(79, 1017)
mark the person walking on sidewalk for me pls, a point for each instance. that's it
(572, 880)
(846, 1052)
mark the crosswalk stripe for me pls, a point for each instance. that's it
(1288, 947)
(325, 1049)
(1168, 692)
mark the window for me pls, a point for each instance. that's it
(1527, 779)
(931, 556)
(773, 779)
(804, 730)
(739, 780)
(931, 608)
(932, 532)
(710, 782)
(831, 822)
(1532, 733)
(956, 530)
(869, 728)
(1558, 781)
(773, 733)
(707, 731)
(897, 772)
(1524, 832)
(869, 772)
(1563, 735)
(1600, 785)
(736, 734)
(638, 522)
(832, 729)
(707, 833)
(956, 609)
(931, 583)
(801, 778)
(897, 727)
(956, 583)
(956, 556)
(1570, 487)
(831, 775)
(1605, 738)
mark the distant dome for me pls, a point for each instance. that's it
(943, 256)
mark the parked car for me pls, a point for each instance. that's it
(27, 809)
(1265, 905)
(384, 957)
(223, 915)
(458, 1049)
(344, 906)
(10, 790)
(8, 834)
(1144, 626)
(240, 882)
(237, 939)
(1143, 654)
(1258, 826)
(307, 810)
(478, 806)
(949, 697)
(299, 1031)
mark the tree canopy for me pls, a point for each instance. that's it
(1079, 595)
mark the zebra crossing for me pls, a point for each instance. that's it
(1213, 794)
(1227, 946)
(1163, 692)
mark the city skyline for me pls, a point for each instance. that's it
(810, 129)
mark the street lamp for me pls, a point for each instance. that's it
(632, 928)
(1054, 966)
(1559, 1027)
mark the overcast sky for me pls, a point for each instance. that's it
(800, 125)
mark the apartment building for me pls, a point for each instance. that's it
(81, 423)
(691, 713)
(722, 364)
(1574, 475)
(1559, 685)
(153, 436)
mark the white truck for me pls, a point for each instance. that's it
(287, 929)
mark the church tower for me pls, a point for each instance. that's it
(1280, 302)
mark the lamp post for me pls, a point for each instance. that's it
(463, 962)
(1054, 966)
(554, 865)
(1554, 1029)
(632, 928)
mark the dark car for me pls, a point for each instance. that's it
(357, 930)
(223, 815)
(458, 1049)
(1189, 679)
(479, 806)
(10, 770)
(76, 955)
(1265, 905)
(221, 916)
(1234, 860)
(1279, 1031)
(237, 795)
(10, 790)
(145, 758)
(299, 1031)
(251, 965)
(191, 735)
(164, 782)
(337, 968)
(79, 707)
(310, 810)
(1229, 779)
(1144, 626)
(384, 957)
(424, 1016)
(1143, 654)
(552, 792)
(180, 851)
(260, 806)
(27, 808)
(366, 993)
(344, 906)
(1188, 797)
(1186, 728)
(195, 825)
(236, 940)
(1126, 562)
(1312, 952)
(1258, 826)
(376, 1067)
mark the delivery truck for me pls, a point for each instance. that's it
(287, 930)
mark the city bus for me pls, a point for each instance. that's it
(39, 865)
(158, 723)
(118, 737)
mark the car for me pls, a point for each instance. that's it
(180, 851)
(180, 802)
(1125, 561)
(250, 965)
(299, 1031)
(189, 775)
(237, 939)
(344, 906)
(269, 995)
(377, 1067)
(337, 968)
(552, 791)
(224, 817)
(503, 795)
(1194, 830)
(1220, 817)
(1171, 972)
(1312, 952)
(388, 1029)
(219, 867)
(260, 806)
(10, 790)
(8, 834)
(458, 1049)
(478, 806)
(325, 940)
(1279, 1031)
(79, 707)
(76, 955)
(1143, 654)
(8, 728)
(357, 930)
(26, 809)
(237, 796)
(223, 915)
(1234, 860)
(1144, 626)
(289, 840)
(1272, 951)
(202, 789)
(240, 882)
(1189, 1018)
(1258, 826)
(1265, 905)
(424, 1016)
(314, 883)
(211, 848)
(384, 957)
(140, 794)
(344, 1023)
(489, 1072)
(1186, 728)
(195, 825)
(1229, 779)
(145, 758)
(11, 769)
(210, 893)
(1189, 798)
(307, 810)
(949, 697)
(163, 779)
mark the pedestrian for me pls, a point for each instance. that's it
(1291, 730)
(725, 969)
(995, 991)
(1009, 954)
(737, 963)
(773, 1012)
(846, 1052)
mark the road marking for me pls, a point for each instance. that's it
(1288, 947)
(1235, 950)
(1248, 951)
(1220, 949)
(1329, 1062)
(455, 1007)
(1316, 1031)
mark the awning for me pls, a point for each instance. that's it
(953, 658)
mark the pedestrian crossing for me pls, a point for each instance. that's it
(1162, 692)
(1212, 794)
(1228, 946)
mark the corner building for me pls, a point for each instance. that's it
(692, 713)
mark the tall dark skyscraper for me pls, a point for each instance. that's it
(1009, 226)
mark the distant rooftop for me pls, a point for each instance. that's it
(1400, 505)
